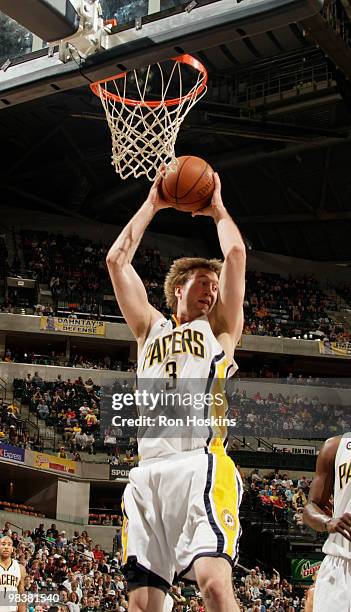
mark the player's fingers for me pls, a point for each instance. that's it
(345, 533)
(346, 517)
(217, 181)
(344, 529)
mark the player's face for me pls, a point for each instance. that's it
(199, 294)
(6, 548)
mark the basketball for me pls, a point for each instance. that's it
(191, 186)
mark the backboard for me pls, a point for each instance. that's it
(147, 31)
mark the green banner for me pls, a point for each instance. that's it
(303, 570)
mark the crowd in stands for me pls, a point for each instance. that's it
(77, 575)
(81, 574)
(258, 591)
(344, 290)
(13, 430)
(276, 496)
(287, 416)
(74, 270)
(73, 408)
(294, 307)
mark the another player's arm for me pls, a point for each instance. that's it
(229, 315)
(129, 289)
(321, 489)
(22, 607)
(309, 600)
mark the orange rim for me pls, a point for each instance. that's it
(99, 87)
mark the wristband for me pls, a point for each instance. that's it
(326, 524)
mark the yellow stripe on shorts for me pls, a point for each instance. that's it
(225, 498)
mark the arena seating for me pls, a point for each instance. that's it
(77, 571)
(291, 307)
(75, 271)
(287, 416)
(4, 266)
(8, 506)
(72, 407)
(15, 430)
(345, 292)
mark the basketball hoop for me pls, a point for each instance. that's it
(144, 130)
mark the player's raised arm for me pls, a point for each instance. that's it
(229, 310)
(129, 289)
(321, 489)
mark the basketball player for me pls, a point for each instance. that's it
(333, 473)
(181, 505)
(12, 576)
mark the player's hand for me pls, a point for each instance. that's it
(155, 197)
(216, 206)
(341, 525)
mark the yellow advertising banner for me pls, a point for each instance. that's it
(50, 462)
(71, 325)
(342, 348)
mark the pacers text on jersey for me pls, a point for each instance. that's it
(188, 340)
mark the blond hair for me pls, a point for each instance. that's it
(180, 272)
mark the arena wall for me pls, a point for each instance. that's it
(9, 371)
(327, 395)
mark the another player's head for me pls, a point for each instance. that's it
(6, 547)
(191, 286)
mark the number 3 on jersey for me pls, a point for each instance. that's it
(171, 369)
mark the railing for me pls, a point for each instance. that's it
(243, 442)
(43, 433)
(3, 386)
(297, 72)
(264, 444)
(17, 526)
(28, 425)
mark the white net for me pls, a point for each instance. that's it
(144, 131)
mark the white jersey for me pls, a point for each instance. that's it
(9, 581)
(187, 359)
(336, 544)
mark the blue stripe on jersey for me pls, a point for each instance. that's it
(211, 375)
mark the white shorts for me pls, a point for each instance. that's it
(333, 585)
(179, 509)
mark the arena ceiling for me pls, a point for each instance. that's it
(275, 123)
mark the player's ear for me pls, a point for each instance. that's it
(178, 291)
